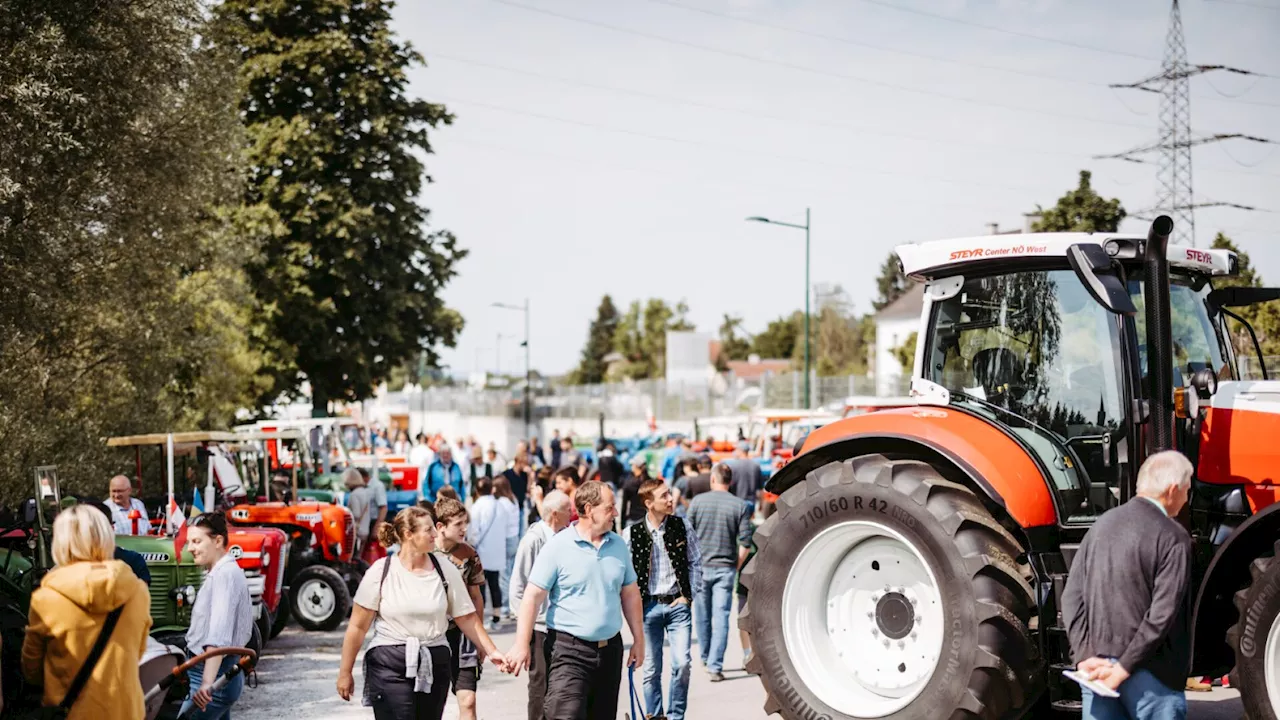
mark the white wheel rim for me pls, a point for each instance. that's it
(862, 619)
(316, 600)
(1272, 657)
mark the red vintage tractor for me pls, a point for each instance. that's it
(916, 562)
(322, 570)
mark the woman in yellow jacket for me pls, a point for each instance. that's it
(68, 611)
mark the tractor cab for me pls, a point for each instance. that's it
(1048, 368)
(322, 570)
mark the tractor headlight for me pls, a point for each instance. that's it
(266, 559)
(184, 596)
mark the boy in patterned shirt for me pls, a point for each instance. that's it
(451, 528)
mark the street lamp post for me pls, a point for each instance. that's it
(528, 407)
(804, 227)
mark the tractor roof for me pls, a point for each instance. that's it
(178, 438)
(299, 423)
(944, 257)
(285, 434)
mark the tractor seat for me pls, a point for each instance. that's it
(996, 369)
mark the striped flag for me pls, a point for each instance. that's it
(177, 527)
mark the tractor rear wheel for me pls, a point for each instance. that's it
(880, 589)
(1255, 638)
(320, 598)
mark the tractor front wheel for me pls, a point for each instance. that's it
(320, 598)
(882, 590)
(281, 620)
(1255, 638)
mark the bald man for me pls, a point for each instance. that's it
(120, 503)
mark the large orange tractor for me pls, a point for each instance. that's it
(915, 565)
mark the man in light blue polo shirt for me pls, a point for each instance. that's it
(585, 573)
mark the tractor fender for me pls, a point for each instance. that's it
(985, 457)
(1214, 613)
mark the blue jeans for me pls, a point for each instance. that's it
(711, 610)
(1142, 697)
(513, 543)
(676, 624)
(220, 707)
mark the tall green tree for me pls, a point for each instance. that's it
(891, 283)
(839, 341)
(591, 367)
(781, 339)
(349, 278)
(733, 346)
(1081, 210)
(1264, 318)
(125, 309)
(641, 336)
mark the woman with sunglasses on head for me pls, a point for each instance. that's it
(221, 617)
(408, 599)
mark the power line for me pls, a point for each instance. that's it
(1222, 97)
(816, 71)
(808, 121)
(1244, 3)
(1007, 31)
(873, 46)
(726, 147)
(759, 115)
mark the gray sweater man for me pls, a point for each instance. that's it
(555, 511)
(1125, 603)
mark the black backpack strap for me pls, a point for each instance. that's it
(386, 568)
(436, 563)
(95, 654)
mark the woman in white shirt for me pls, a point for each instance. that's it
(510, 511)
(487, 533)
(408, 598)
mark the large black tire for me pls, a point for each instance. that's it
(263, 624)
(989, 667)
(281, 620)
(1259, 606)
(312, 578)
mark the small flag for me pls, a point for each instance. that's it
(177, 527)
(197, 504)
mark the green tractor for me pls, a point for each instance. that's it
(25, 557)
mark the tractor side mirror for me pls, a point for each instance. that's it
(1098, 273)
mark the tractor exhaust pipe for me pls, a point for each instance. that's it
(1155, 269)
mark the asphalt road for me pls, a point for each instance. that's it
(299, 670)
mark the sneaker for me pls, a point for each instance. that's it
(1198, 685)
(717, 677)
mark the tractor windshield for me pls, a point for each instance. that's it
(1040, 350)
(1195, 339)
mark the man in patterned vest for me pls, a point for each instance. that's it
(664, 552)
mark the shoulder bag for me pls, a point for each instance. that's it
(62, 709)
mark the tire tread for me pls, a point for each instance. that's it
(991, 554)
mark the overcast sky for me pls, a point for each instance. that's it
(616, 146)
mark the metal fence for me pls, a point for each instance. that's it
(644, 399)
(1250, 369)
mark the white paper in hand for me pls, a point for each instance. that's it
(1094, 686)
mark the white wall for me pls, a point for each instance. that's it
(890, 333)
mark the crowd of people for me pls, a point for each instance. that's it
(569, 549)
